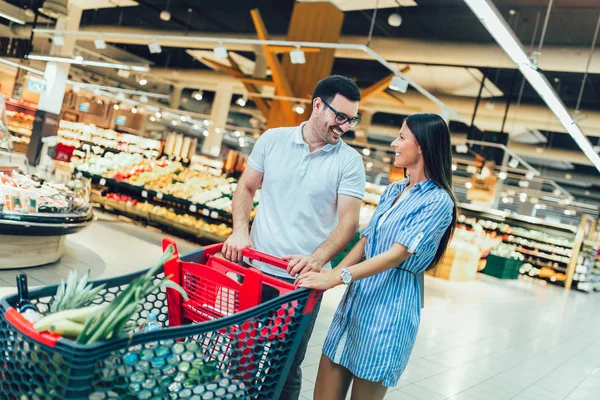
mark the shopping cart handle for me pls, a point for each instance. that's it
(25, 327)
(266, 258)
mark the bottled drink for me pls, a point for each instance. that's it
(24, 306)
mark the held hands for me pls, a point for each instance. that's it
(323, 280)
(234, 245)
(301, 263)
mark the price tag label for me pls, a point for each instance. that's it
(193, 208)
(205, 212)
(102, 182)
(159, 195)
(214, 214)
(144, 194)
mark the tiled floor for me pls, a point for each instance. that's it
(483, 340)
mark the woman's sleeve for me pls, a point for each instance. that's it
(370, 226)
(426, 225)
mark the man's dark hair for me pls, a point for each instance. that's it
(328, 87)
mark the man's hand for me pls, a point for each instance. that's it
(301, 263)
(234, 245)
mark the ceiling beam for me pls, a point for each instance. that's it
(376, 88)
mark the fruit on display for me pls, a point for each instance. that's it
(98, 165)
(27, 195)
(145, 172)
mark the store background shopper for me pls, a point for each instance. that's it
(312, 187)
(409, 232)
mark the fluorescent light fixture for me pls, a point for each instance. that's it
(220, 51)
(297, 56)
(12, 13)
(399, 84)
(100, 43)
(499, 29)
(154, 47)
(100, 64)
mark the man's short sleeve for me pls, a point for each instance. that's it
(426, 225)
(353, 178)
(260, 151)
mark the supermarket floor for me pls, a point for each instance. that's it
(483, 340)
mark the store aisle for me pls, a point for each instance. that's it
(483, 340)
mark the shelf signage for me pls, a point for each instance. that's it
(120, 120)
(84, 107)
(37, 85)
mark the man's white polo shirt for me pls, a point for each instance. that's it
(298, 199)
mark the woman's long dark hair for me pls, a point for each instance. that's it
(433, 135)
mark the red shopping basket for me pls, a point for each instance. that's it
(213, 346)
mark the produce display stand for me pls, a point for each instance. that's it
(222, 343)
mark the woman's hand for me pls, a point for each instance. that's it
(322, 280)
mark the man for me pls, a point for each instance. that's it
(312, 187)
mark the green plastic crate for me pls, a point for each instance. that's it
(502, 268)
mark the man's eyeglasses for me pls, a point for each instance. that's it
(341, 118)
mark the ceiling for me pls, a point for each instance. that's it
(437, 25)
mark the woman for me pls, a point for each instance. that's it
(376, 323)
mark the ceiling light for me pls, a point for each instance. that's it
(58, 41)
(205, 133)
(399, 84)
(523, 197)
(76, 89)
(152, 118)
(237, 133)
(524, 184)
(369, 164)
(241, 102)
(206, 122)
(154, 47)
(217, 130)
(99, 102)
(196, 126)
(174, 123)
(143, 81)
(498, 28)
(568, 176)
(512, 11)
(220, 51)
(12, 13)
(299, 108)
(530, 175)
(395, 20)
(165, 15)
(454, 167)
(198, 96)
(502, 175)
(468, 185)
(462, 148)
(567, 212)
(538, 206)
(513, 163)
(158, 114)
(116, 107)
(143, 98)
(79, 58)
(100, 43)
(101, 64)
(55, 8)
(366, 151)
(505, 200)
(297, 56)
(134, 110)
(123, 73)
(183, 118)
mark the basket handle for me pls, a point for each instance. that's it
(265, 258)
(25, 327)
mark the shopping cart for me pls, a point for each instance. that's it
(223, 343)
